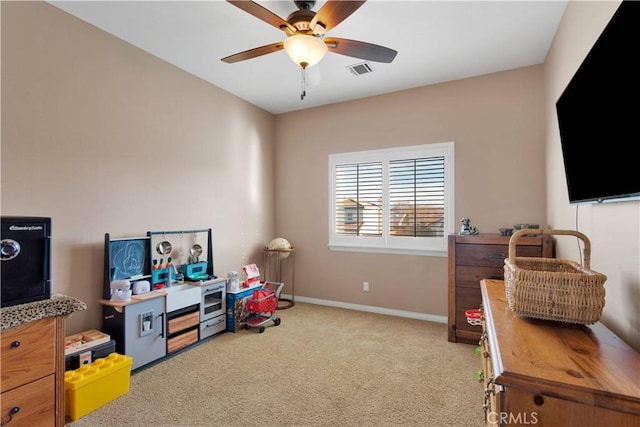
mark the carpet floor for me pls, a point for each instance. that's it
(322, 366)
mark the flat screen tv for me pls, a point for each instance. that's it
(599, 115)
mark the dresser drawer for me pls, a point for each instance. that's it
(34, 403)
(491, 255)
(469, 277)
(27, 353)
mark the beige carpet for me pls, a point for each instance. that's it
(322, 366)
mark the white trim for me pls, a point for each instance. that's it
(394, 251)
(371, 309)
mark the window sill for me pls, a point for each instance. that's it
(391, 251)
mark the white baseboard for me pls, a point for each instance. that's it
(370, 309)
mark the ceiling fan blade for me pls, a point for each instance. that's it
(362, 50)
(263, 14)
(332, 13)
(253, 53)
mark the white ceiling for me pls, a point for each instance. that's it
(437, 41)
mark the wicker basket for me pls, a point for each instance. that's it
(553, 289)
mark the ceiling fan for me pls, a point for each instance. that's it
(306, 44)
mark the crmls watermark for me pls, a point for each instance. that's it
(506, 418)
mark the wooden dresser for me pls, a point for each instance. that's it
(547, 374)
(473, 258)
(32, 361)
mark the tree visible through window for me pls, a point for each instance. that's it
(395, 199)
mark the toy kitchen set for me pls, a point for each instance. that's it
(160, 293)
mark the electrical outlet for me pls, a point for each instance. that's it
(365, 286)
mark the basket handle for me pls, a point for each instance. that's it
(586, 250)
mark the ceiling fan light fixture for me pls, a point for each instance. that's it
(305, 49)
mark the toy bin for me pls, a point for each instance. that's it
(94, 385)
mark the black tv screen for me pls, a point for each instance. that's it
(599, 115)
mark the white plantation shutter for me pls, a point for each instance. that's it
(358, 199)
(397, 200)
(416, 197)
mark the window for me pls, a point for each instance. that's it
(397, 200)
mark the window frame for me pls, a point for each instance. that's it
(428, 246)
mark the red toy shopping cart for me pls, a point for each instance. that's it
(263, 305)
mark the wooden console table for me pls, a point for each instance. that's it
(548, 374)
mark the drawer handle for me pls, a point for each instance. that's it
(489, 391)
(12, 412)
(483, 337)
(489, 388)
(213, 324)
(162, 325)
(15, 344)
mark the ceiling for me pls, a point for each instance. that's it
(437, 41)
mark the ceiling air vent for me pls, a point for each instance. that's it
(360, 69)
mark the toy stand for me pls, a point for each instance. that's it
(274, 261)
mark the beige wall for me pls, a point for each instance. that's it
(105, 138)
(612, 228)
(497, 124)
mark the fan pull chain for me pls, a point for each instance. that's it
(303, 82)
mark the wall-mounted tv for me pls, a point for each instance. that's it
(599, 115)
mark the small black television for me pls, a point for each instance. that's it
(599, 115)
